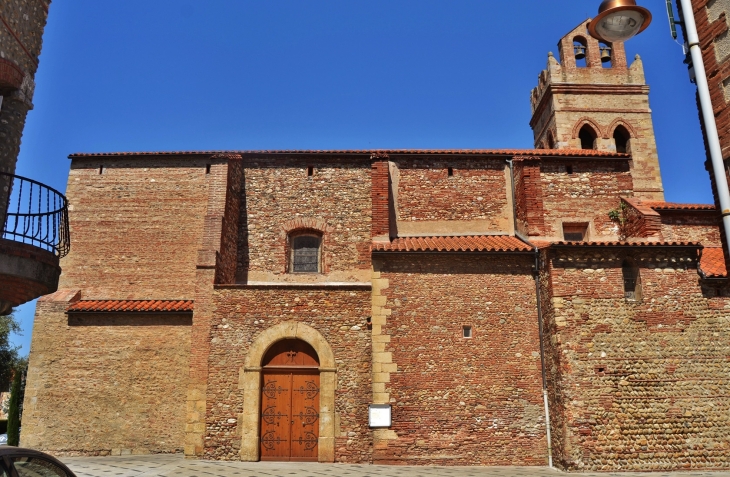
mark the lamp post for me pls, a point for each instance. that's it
(619, 20)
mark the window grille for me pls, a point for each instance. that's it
(305, 254)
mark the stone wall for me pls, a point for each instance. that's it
(457, 400)
(428, 201)
(281, 197)
(21, 29)
(635, 385)
(105, 384)
(687, 227)
(135, 217)
(242, 313)
(583, 192)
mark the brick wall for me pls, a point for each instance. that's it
(639, 220)
(105, 384)
(635, 385)
(459, 401)
(429, 201)
(138, 217)
(530, 216)
(240, 314)
(280, 197)
(553, 191)
(711, 18)
(583, 192)
(382, 199)
(691, 227)
(21, 29)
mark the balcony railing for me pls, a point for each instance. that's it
(34, 213)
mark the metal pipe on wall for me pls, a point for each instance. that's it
(713, 140)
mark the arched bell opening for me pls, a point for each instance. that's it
(622, 139)
(550, 140)
(606, 51)
(580, 50)
(587, 137)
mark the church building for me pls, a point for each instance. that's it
(415, 307)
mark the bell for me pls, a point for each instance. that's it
(605, 55)
(580, 52)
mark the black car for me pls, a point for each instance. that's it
(19, 462)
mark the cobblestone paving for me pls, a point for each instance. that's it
(176, 465)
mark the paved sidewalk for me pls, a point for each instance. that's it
(176, 465)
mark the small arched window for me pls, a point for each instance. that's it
(587, 137)
(305, 252)
(621, 137)
(632, 280)
(550, 140)
(580, 49)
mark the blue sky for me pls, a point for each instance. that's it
(192, 75)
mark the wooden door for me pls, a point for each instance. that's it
(290, 403)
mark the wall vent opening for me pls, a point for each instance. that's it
(466, 331)
(575, 232)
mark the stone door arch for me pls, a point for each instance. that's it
(250, 383)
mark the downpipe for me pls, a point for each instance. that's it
(542, 357)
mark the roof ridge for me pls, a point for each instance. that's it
(506, 151)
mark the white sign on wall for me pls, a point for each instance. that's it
(379, 415)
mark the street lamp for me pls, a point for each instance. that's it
(624, 17)
(619, 20)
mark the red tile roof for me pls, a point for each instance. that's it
(657, 205)
(627, 244)
(471, 243)
(488, 152)
(712, 263)
(144, 306)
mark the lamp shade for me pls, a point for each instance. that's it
(619, 20)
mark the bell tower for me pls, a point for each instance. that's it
(592, 99)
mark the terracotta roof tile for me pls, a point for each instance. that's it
(712, 262)
(628, 244)
(471, 243)
(489, 152)
(659, 205)
(137, 306)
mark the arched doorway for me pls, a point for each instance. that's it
(250, 381)
(290, 391)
